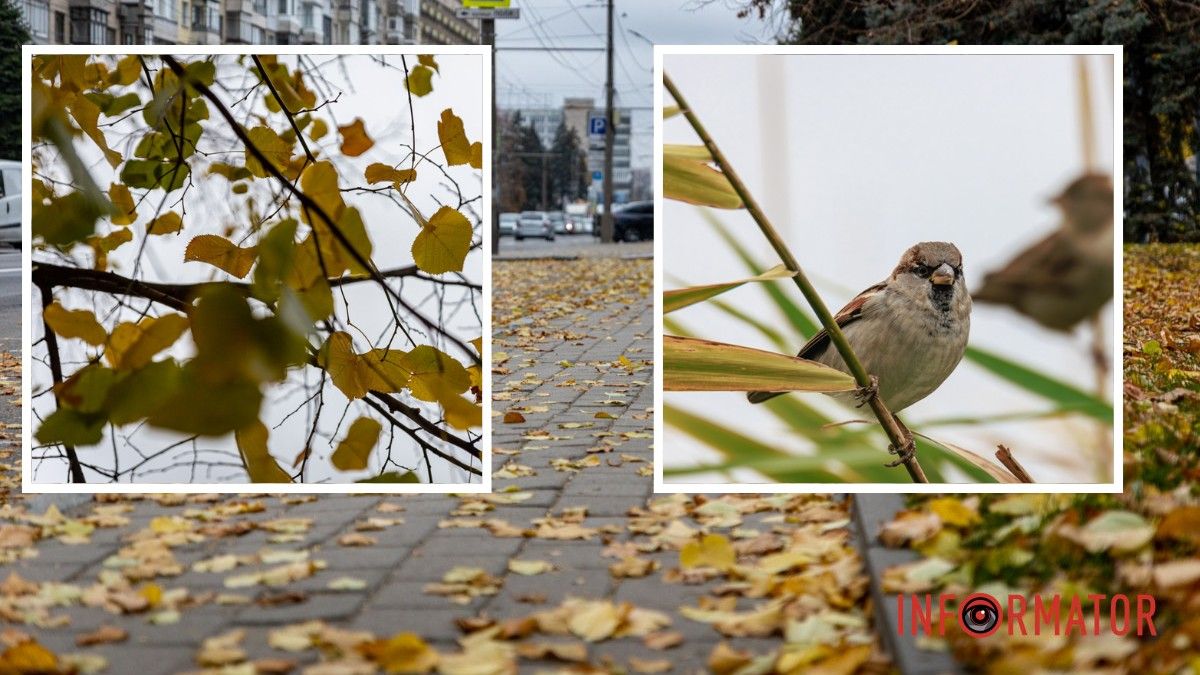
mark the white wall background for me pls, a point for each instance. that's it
(856, 158)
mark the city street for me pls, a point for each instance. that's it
(10, 300)
(583, 246)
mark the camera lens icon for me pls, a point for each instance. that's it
(979, 615)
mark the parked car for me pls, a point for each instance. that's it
(10, 202)
(558, 221)
(534, 224)
(579, 220)
(508, 223)
(633, 221)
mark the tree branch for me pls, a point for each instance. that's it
(56, 374)
(860, 374)
(311, 205)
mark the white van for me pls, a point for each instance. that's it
(10, 202)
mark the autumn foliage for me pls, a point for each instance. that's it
(218, 248)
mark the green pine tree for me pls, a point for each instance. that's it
(13, 34)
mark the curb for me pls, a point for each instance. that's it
(520, 258)
(38, 503)
(869, 513)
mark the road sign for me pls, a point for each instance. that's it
(487, 4)
(596, 125)
(597, 176)
(488, 13)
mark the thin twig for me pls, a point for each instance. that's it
(861, 376)
(56, 374)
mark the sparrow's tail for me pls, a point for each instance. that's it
(760, 396)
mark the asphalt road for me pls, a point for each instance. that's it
(10, 300)
(581, 245)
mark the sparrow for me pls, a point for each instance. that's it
(909, 331)
(1067, 276)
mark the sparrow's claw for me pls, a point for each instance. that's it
(865, 394)
(906, 452)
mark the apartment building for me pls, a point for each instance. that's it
(209, 22)
(440, 25)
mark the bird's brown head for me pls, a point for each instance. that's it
(1087, 203)
(938, 261)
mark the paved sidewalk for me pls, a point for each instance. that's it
(572, 499)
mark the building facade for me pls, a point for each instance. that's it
(440, 25)
(211, 22)
(576, 113)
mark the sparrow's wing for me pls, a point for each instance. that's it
(1041, 266)
(820, 342)
(847, 315)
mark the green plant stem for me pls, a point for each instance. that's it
(885, 416)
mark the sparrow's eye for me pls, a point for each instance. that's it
(922, 270)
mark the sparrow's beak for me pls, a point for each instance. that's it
(943, 276)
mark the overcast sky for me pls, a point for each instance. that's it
(543, 78)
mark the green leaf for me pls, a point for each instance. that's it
(690, 364)
(71, 427)
(683, 297)
(392, 477)
(745, 451)
(798, 318)
(692, 180)
(354, 451)
(1061, 393)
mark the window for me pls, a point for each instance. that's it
(165, 9)
(89, 26)
(37, 17)
(308, 17)
(60, 28)
(284, 9)
(260, 6)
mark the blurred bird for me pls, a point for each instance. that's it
(909, 331)
(1068, 276)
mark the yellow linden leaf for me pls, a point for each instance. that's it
(133, 345)
(443, 242)
(596, 620)
(453, 137)
(427, 60)
(953, 512)
(153, 593)
(276, 150)
(222, 253)
(129, 69)
(260, 465)
(402, 653)
(477, 343)
(355, 140)
(343, 365)
(124, 212)
(318, 129)
(28, 657)
(378, 173)
(436, 376)
(461, 413)
(320, 183)
(75, 323)
(420, 81)
(167, 223)
(713, 550)
(476, 160)
(354, 451)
